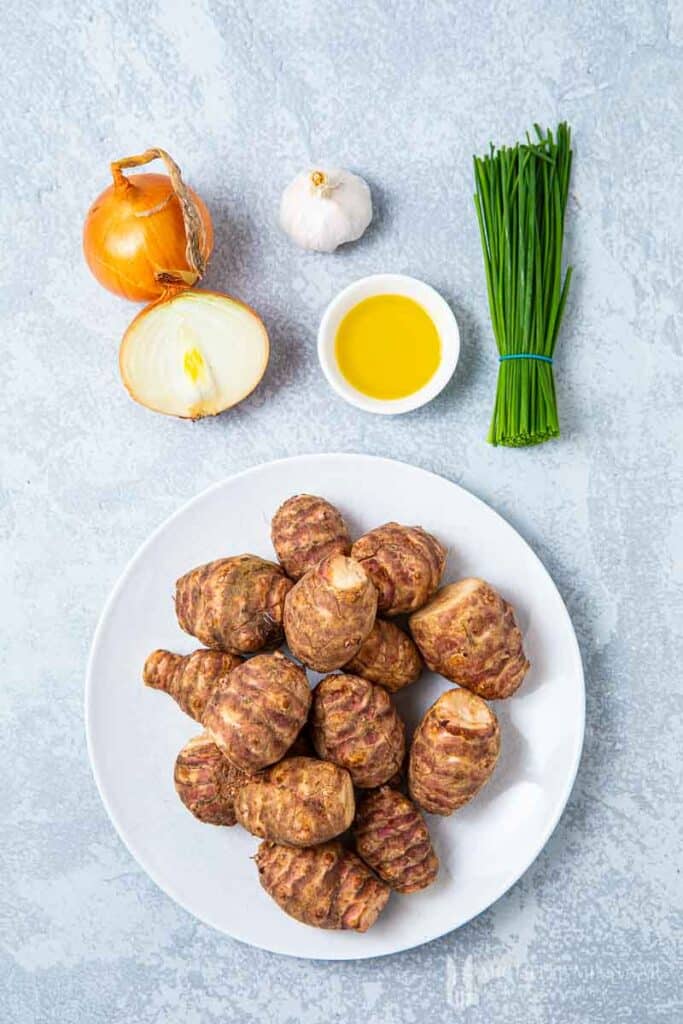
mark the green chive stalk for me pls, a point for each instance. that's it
(521, 198)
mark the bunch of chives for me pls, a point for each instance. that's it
(521, 197)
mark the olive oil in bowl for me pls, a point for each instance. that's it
(388, 343)
(387, 347)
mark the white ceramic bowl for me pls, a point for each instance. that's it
(389, 284)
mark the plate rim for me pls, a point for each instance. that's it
(88, 688)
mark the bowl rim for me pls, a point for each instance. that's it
(389, 284)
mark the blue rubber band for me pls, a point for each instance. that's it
(525, 355)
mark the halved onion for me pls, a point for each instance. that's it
(194, 354)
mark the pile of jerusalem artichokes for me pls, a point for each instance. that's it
(301, 768)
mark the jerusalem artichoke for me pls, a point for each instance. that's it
(454, 751)
(233, 604)
(387, 657)
(329, 613)
(392, 838)
(206, 782)
(255, 713)
(325, 886)
(190, 679)
(404, 562)
(299, 802)
(355, 725)
(306, 529)
(468, 633)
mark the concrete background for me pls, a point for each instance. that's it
(244, 95)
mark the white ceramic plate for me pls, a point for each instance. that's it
(135, 733)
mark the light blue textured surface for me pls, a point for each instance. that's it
(244, 95)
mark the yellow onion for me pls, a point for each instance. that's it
(147, 234)
(193, 354)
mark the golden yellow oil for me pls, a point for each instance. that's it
(387, 347)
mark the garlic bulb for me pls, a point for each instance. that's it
(322, 209)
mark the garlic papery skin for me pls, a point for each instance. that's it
(325, 207)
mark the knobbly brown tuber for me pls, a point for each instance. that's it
(306, 529)
(355, 725)
(329, 613)
(233, 604)
(190, 679)
(299, 802)
(404, 562)
(206, 782)
(325, 886)
(468, 633)
(392, 837)
(454, 751)
(388, 657)
(256, 712)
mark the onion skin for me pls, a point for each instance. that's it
(135, 239)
